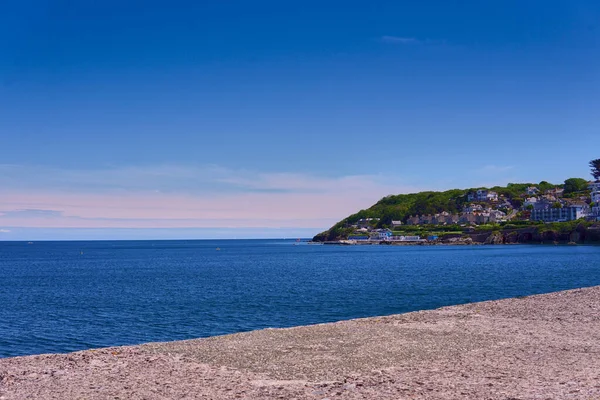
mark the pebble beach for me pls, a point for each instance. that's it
(536, 347)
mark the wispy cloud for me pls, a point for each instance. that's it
(407, 40)
(400, 40)
(30, 213)
(28, 234)
(182, 197)
(195, 179)
(4, 230)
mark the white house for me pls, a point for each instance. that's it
(547, 213)
(482, 195)
(530, 201)
(381, 234)
(491, 196)
(594, 187)
(472, 208)
(497, 215)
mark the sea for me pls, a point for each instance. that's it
(60, 297)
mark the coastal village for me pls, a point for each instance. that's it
(484, 207)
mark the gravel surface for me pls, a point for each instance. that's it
(537, 347)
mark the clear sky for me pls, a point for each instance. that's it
(203, 119)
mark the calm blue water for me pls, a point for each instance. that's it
(55, 299)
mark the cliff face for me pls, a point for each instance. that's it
(580, 235)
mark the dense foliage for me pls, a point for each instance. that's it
(595, 167)
(575, 185)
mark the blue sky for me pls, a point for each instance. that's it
(203, 118)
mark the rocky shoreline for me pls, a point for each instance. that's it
(537, 347)
(580, 235)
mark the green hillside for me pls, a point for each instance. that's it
(401, 207)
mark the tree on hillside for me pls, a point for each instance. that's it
(575, 185)
(543, 186)
(595, 166)
(516, 202)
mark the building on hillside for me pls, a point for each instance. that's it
(440, 219)
(381, 234)
(467, 218)
(547, 213)
(443, 218)
(505, 204)
(542, 203)
(426, 219)
(482, 218)
(413, 220)
(492, 196)
(595, 191)
(497, 216)
(479, 195)
(396, 224)
(556, 192)
(532, 191)
(452, 219)
(472, 208)
(530, 201)
(594, 186)
(489, 217)
(595, 195)
(595, 212)
(482, 195)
